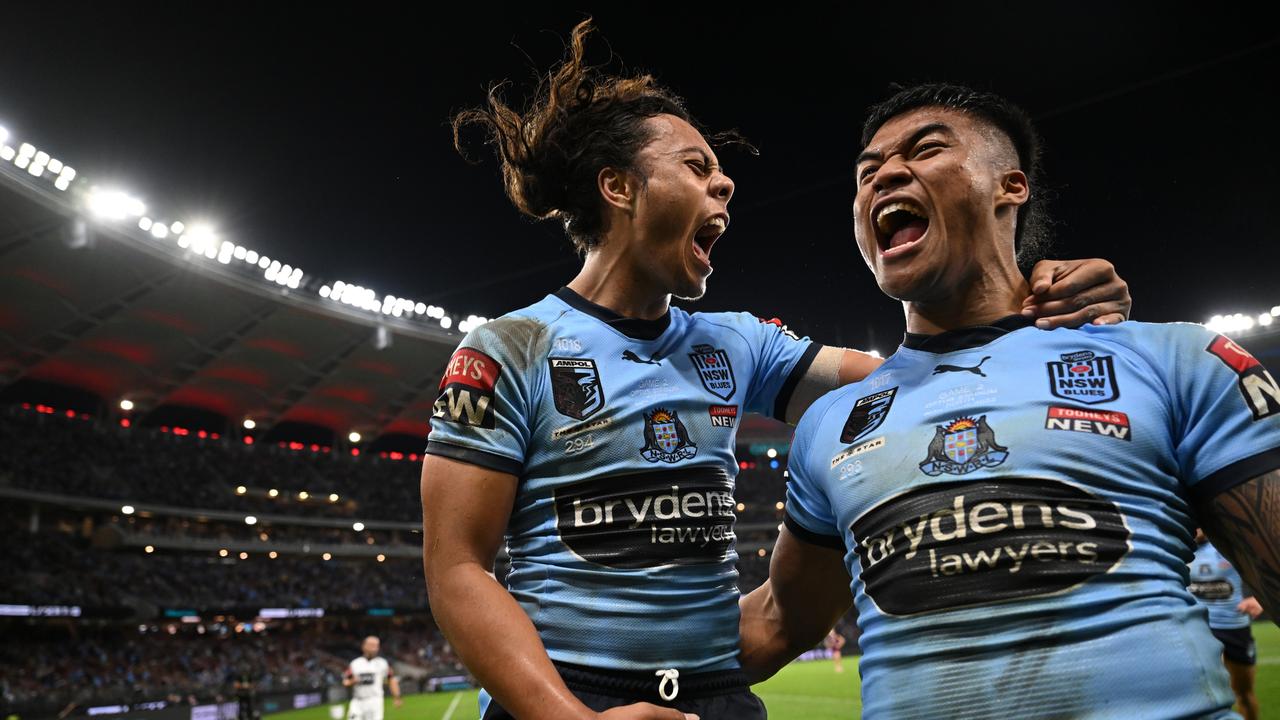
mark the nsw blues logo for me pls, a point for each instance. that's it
(962, 446)
(665, 437)
(1084, 377)
(714, 371)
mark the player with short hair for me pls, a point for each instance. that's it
(365, 676)
(1216, 585)
(835, 643)
(1017, 543)
(595, 429)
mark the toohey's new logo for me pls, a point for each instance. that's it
(951, 545)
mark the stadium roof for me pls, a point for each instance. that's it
(98, 307)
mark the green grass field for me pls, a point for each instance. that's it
(803, 691)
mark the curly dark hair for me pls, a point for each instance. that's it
(579, 122)
(1032, 236)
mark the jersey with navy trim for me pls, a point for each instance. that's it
(1217, 585)
(1015, 512)
(621, 433)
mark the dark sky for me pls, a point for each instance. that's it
(319, 136)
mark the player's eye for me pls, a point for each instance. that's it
(926, 148)
(866, 173)
(698, 167)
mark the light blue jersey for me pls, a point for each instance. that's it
(1217, 585)
(1015, 508)
(621, 432)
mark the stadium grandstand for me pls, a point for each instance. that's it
(210, 463)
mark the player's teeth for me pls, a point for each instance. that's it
(717, 222)
(882, 217)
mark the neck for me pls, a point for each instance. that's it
(611, 277)
(996, 291)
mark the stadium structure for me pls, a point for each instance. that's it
(209, 473)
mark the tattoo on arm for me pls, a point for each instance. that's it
(1244, 522)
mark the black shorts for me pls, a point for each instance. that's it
(719, 695)
(1237, 645)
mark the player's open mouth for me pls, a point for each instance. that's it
(707, 235)
(899, 226)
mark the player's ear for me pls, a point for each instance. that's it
(617, 188)
(1014, 189)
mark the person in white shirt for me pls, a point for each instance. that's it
(365, 676)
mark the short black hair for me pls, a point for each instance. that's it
(1032, 235)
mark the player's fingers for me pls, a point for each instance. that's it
(1109, 319)
(1042, 275)
(1080, 317)
(1115, 293)
(1070, 277)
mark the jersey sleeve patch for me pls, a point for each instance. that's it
(1256, 385)
(467, 389)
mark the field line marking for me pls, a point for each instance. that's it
(452, 706)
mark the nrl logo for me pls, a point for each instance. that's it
(665, 437)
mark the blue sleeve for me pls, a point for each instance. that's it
(1226, 412)
(482, 415)
(781, 360)
(809, 515)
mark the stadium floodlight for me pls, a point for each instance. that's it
(327, 556)
(68, 173)
(36, 169)
(357, 526)
(126, 509)
(22, 162)
(445, 322)
(771, 452)
(420, 308)
(149, 549)
(874, 353)
(303, 495)
(55, 165)
(251, 257)
(742, 506)
(244, 556)
(354, 436)
(333, 497)
(159, 231)
(62, 183)
(126, 405)
(273, 555)
(223, 552)
(762, 552)
(240, 490)
(1265, 319)
(324, 291)
(382, 558)
(239, 252)
(144, 223)
(778, 505)
(177, 227)
(26, 150)
(113, 204)
(249, 424)
(42, 158)
(7, 153)
(264, 262)
(250, 520)
(273, 493)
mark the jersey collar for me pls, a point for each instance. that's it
(966, 337)
(635, 328)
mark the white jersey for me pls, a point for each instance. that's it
(370, 676)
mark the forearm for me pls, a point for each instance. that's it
(771, 636)
(394, 682)
(1244, 523)
(497, 642)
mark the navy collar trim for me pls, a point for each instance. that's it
(635, 328)
(966, 337)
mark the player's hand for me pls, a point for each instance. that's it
(1071, 293)
(1250, 606)
(398, 702)
(644, 711)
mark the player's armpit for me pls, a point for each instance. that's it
(806, 593)
(1244, 523)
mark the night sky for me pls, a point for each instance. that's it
(320, 137)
